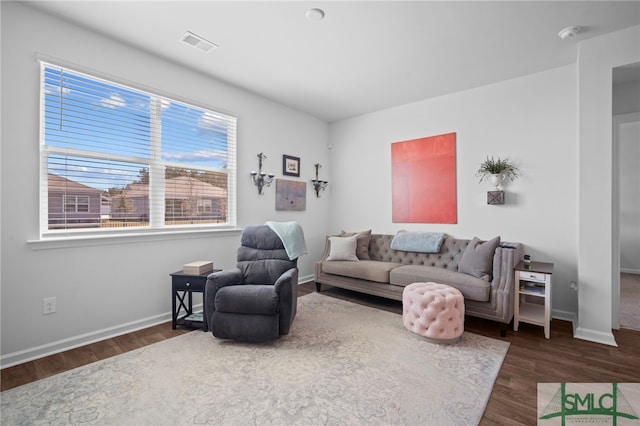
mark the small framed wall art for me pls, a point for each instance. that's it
(290, 166)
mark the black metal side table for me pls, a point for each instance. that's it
(182, 287)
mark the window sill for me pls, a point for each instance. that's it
(55, 242)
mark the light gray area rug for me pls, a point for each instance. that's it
(342, 364)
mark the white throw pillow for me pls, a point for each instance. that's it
(343, 248)
(362, 248)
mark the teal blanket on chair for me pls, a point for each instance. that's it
(292, 237)
(422, 242)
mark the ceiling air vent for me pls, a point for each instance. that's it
(199, 42)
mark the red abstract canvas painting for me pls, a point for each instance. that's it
(424, 180)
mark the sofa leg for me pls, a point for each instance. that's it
(318, 287)
(503, 329)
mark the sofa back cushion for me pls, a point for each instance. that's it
(449, 257)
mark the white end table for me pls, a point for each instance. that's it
(533, 295)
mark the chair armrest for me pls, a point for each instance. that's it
(288, 278)
(215, 282)
(327, 249)
(287, 287)
(325, 255)
(224, 278)
(506, 258)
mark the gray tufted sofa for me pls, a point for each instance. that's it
(389, 271)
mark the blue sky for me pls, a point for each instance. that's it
(114, 122)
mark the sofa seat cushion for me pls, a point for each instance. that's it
(472, 288)
(371, 270)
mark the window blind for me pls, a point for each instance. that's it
(116, 157)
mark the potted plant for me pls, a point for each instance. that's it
(497, 170)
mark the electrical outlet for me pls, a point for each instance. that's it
(48, 305)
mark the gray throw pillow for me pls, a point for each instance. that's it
(477, 259)
(362, 248)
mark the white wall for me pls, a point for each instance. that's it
(598, 279)
(531, 120)
(107, 289)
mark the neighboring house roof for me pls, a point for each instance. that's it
(59, 183)
(181, 187)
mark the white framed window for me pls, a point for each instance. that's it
(205, 205)
(76, 203)
(115, 157)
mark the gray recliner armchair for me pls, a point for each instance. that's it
(256, 301)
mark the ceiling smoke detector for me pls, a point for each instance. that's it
(568, 32)
(199, 42)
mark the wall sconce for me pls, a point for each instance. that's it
(261, 178)
(317, 183)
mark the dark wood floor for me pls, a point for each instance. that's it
(531, 358)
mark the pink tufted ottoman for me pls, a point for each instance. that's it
(435, 311)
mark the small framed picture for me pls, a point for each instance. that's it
(290, 166)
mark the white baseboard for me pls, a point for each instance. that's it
(41, 351)
(630, 271)
(306, 279)
(37, 352)
(595, 336)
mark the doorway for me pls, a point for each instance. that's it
(626, 196)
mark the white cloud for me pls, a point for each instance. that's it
(51, 89)
(211, 121)
(194, 156)
(114, 101)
